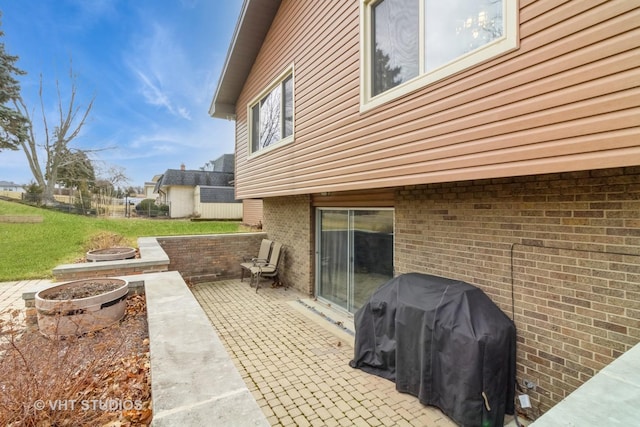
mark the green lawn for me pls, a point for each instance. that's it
(32, 250)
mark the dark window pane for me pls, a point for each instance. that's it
(395, 43)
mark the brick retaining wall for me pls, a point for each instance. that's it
(210, 257)
(197, 258)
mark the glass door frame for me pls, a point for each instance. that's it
(351, 251)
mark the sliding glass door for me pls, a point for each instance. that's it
(333, 256)
(354, 254)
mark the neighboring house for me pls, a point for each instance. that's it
(199, 194)
(494, 142)
(11, 186)
(224, 163)
(251, 208)
(216, 203)
(150, 187)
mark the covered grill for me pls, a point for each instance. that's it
(443, 341)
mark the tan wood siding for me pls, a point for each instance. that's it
(567, 99)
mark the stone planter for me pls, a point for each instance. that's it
(81, 306)
(111, 254)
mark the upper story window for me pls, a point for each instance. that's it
(407, 44)
(271, 114)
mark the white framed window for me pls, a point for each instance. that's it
(407, 44)
(270, 115)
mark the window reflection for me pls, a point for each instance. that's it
(396, 46)
(450, 30)
(270, 118)
(454, 28)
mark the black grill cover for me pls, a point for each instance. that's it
(443, 341)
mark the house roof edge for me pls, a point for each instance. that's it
(251, 29)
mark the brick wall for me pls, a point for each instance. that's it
(569, 242)
(289, 221)
(210, 257)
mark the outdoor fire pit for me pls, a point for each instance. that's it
(111, 254)
(81, 306)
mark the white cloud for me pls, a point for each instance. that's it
(162, 68)
(184, 113)
(156, 94)
(152, 92)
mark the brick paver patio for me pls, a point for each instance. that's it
(297, 370)
(11, 295)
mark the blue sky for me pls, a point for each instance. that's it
(152, 66)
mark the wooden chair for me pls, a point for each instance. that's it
(262, 258)
(271, 268)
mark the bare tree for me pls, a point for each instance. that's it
(107, 188)
(56, 143)
(115, 175)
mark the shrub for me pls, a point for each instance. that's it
(33, 193)
(105, 240)
(58, 382)
(146, 204)
(147, 207)
(82, 202)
